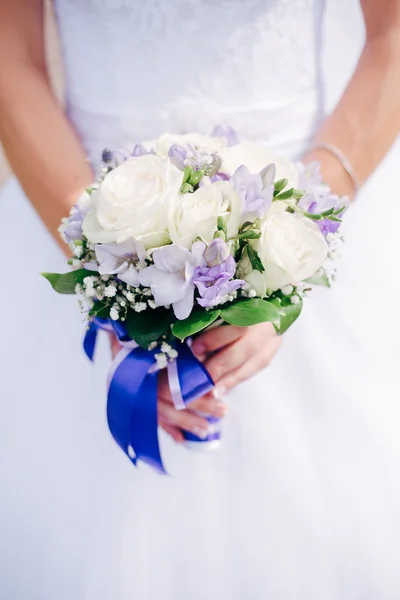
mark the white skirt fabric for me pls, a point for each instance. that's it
(302, 501)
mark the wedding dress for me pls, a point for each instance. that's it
(302, 501)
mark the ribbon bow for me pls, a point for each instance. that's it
(132, 392)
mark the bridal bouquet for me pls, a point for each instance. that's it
(181, 233)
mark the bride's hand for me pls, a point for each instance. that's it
(234, 354)
(173, 421)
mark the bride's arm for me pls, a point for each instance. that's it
(366, 121)
(40, 144)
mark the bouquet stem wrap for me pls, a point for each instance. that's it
(132, 392)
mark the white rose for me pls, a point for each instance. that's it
(256, 157)
(162, 144)
(291, 248)
(133, 202)
(196, 214)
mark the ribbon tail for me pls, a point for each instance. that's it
(132, 409)
(89, 342)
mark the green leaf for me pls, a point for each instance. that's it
(249, 234)
(280, 185)
(319, 280)
(255, 260)
(100, 309)
(336, 219)
(245, 313)
(147, 326)
(288, 314)
(221, 224)
(328, 212)
(196, 322)
(339, 210)
(312, 216)
(66, 283)
(285, 195)
(297, 194)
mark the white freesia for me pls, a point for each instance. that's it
(196, 214)
(291, 248)
(132, 202)
(255, 157)
(162, 144)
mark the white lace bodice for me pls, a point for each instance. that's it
(135, 69)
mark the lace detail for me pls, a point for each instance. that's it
(137, 69)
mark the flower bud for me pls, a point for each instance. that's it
(216, 253)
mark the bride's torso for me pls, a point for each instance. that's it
(135, 69)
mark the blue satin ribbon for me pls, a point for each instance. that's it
(132, 392)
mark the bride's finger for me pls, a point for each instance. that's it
(183, 419)
(229, 359)
(250, 367)
(209, 406)
(215, 339)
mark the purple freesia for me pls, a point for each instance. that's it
(115, 158)
(71, 227)
(171, 277)
(319, 201)
(177, 155)
(224, 131)
(214, 280)
(140, 150)
(255, 190)
(187, 155)
(219, 177)
(318, 197)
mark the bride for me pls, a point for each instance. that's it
(303, 499)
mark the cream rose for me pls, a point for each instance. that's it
(196, 214)
(133, 202)
(162, 144)
(291, 248)
(256, 157)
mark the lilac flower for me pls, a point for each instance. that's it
(214, 280)
(121, 259)
(224, 131)
(171, 277)
(71, 227)
(255, 190)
